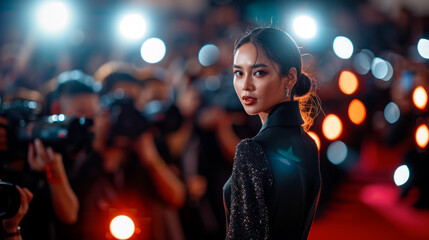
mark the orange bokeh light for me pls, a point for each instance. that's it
(420, 97)
(315, 138)
(357, 111)
(332, 127)
(422, 136)
(348, 82)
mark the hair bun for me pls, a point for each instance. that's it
(303, 85)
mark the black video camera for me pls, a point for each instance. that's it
(10, 200)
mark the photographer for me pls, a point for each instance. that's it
(126, 172)
(40, 169)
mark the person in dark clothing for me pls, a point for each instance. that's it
(275, 183)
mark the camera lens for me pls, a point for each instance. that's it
(10, 200)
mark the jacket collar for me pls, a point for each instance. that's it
(285, 114)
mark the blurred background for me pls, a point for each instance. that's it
(369, 59)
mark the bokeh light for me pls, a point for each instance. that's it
(153, 50)
(420, 97)
(343, 47)
(132, 26)
(337, 152)
(53, 16)
(122, 227)
(348, 82)
(362, 63)
(422, 135)
(401, 175)
(379, 68)
(208, 55)
(332, 127)
(392, 113)
(357, 111)
(305, 27)
(423, 48)
(315, 138)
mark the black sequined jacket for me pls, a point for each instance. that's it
(275, 183)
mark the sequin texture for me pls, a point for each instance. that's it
(251, 180)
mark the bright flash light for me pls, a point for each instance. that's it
(422, 136)
(420, 97)
(122, 227)
(343, 47)
(423, 48)
(401, 175)
(53, 16)
(153, 50)
(332, 127)
(316, 138)
(305, 27)
(348, 82)
(132, 26)
(357, 111)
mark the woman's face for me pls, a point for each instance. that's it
(257, 81)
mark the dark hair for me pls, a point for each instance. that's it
(282, 49)
(75, 82)
(116, 77)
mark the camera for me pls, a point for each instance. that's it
(10, 200)
(128, 121)
(66, 135)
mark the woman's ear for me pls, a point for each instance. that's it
(291, 78)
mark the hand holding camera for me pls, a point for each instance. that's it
(45, 159)
(11, 224)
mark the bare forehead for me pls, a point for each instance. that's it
(248, 55)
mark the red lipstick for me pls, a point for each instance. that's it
(247, 100)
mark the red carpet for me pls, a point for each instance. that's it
(369, 208)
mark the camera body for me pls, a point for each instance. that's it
(129, 122)
(66, 135)
(10, 200)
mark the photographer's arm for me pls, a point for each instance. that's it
(11, 225)
(169, 186)
(227, 138)
(65, 202)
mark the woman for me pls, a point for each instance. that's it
(275, 185)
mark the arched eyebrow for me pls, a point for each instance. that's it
(258, 65)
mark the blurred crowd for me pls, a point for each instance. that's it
(91, 131)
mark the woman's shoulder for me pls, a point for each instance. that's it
(250, 152)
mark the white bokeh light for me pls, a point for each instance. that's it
(132, 26)
(362, 63)
(392, 113)
(379, 68)
(337, 152)
(401, 175)
(153, 50)
(343, 47)
(53, 16)
(389, 73)
(208, 55)
(305, 27)
(423, 48)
